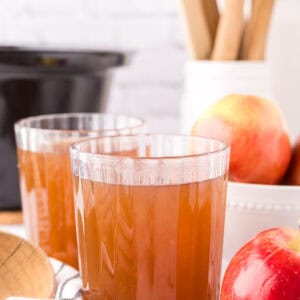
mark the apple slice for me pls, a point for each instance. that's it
(266, 268)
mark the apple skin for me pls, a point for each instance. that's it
(293, 173)
(266, 268)
(257, 134)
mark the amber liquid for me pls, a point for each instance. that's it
(47, 201)
(150, 242)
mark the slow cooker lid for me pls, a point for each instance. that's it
(14, 59)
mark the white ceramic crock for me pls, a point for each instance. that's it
(205, 82)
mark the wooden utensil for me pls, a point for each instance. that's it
(229, 32)
(196, 28)
(11, 217)
(24, 269)
(212, 16)
(254, 42)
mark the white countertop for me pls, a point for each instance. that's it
(14, 229)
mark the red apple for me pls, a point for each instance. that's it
(256, 131)
(293, 174)
(266, 268)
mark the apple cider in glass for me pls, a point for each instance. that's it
(150, 224)
(45, 174)
(46, 190)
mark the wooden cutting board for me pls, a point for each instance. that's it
(24, 269)
(11, 217)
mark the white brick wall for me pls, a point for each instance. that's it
(151, 85)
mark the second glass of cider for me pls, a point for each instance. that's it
(45, 174)
(150, 216)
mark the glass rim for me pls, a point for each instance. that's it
(24, 122)
(80, 153)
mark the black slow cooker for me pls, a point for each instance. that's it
(36, 82)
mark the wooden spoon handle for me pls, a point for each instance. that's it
(197, 32)
(212, 16)
(254, 42)
(229, 32)
(11, 217)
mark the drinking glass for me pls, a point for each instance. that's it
(45, 174)
(150, 216)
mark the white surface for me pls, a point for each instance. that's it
(151, 87)
(206, 82)
(14, 229)
(253, 208)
